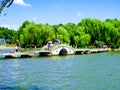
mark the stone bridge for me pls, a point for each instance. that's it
(62, 49)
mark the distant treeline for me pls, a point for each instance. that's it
(8, 34)
(88, 32)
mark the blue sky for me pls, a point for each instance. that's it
(58, 11)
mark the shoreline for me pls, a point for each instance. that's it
(116, 49)
(38, 52)
(6, 48)
(33, 49)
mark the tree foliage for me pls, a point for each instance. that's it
(87, 32)
(8, 34)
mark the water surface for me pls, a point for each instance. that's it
(78, 72)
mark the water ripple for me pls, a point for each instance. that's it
(87, 72)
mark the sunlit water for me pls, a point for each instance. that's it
(78, 72)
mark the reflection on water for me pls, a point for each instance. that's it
(81, 72)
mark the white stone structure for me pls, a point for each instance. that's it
(62, 49)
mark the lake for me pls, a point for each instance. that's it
(78, 72)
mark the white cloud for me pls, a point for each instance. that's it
(35, 19)
(21, 2)
(14, 27)
(79, 14)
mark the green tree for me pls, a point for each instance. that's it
(92, 27)
(87, 32)
(71, 27)
(84, 39)
(48, 33)
(77, 40)
(24, 25)
(63, 35)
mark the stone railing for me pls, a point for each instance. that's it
(59, 46)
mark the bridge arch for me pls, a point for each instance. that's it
(62, 49)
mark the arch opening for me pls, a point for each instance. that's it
(63, 51)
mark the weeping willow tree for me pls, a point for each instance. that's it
(5, 3)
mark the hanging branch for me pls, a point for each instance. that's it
(5, 3)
